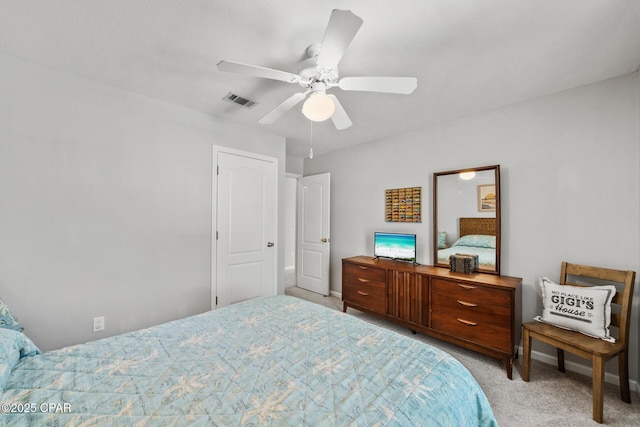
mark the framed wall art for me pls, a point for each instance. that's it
(403, 204)
(487, 198)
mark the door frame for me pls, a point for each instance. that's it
(214, 215)
(296, 177)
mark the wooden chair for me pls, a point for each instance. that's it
(597, 350)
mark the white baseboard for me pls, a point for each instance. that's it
(336, 294)
(580, 369)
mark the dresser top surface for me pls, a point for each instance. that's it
(437, 272)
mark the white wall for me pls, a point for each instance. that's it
(105, 204)
(570, 185)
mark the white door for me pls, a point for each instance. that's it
(246, 227)
(312, 270)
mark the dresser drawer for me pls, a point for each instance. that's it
(470, 293)
(474, 311)
(473, 330)
(370, 294)
(365, 272)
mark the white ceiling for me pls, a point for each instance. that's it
(468, 55)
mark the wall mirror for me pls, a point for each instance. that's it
(466, 216)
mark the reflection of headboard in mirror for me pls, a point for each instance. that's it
(486, 226)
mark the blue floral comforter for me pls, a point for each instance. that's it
(272, 361)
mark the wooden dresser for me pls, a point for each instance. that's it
(481, 312)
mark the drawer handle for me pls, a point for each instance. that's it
(363, 280)
(466, 322)
(466, 286)
(363, 293)
(362, 267)
(467, 304)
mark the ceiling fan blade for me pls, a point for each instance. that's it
(401, 85)
(256, 71)
(277, 112)
(342, 28)
(339, 118)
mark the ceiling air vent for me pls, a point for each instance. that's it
(232, 97)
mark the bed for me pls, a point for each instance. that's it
(270, 361)
(477, 237)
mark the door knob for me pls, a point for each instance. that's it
(325, 240)
(270, 244)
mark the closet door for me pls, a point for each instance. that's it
(246, 227)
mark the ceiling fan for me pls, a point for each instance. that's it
(319, 72)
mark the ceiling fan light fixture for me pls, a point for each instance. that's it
(318, 107)
(318, 71)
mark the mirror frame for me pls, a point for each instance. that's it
(496, 169)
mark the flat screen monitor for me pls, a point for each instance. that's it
(399, 246)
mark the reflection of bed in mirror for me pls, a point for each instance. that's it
(477, 237)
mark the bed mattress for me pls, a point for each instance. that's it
(271, 361)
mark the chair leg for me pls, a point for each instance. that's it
(560, 359)
(526, 354)
(623, 371)
(598, 384)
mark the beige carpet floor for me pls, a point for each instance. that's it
(550, 398)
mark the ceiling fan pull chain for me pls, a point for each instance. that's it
(311, 140)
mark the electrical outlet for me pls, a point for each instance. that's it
(98, 324)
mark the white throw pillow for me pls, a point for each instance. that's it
(583, 309)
